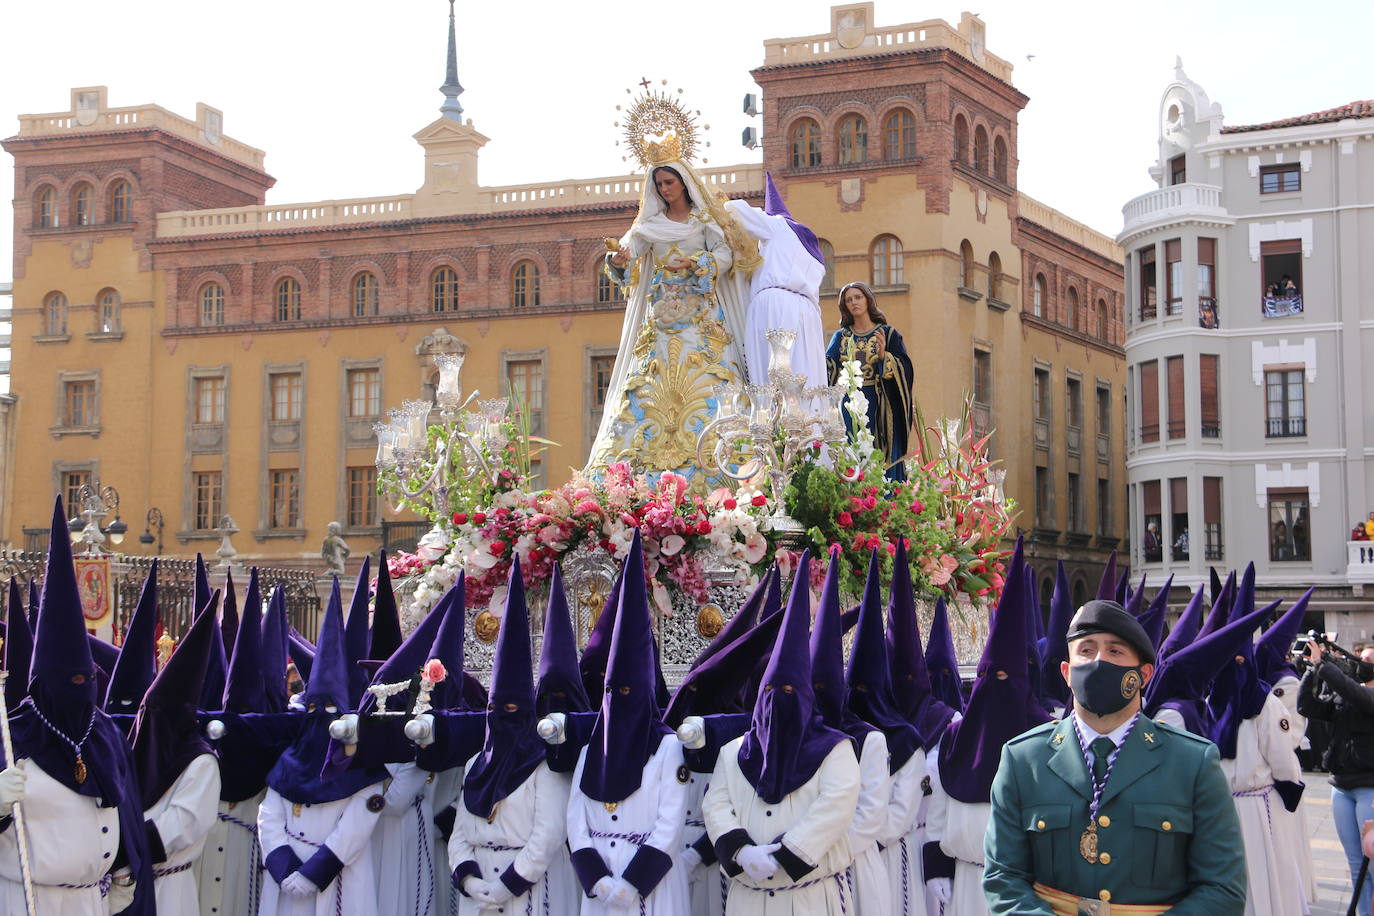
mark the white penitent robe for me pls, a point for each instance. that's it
(1264, 754)
(784, 293)
(868, 872)
(72, 842)
(959, 828)
(402, 852)
(901, 856)
(813, 822)
(443, 790)
(652, 815)
(706, 881)
(345, 826)
(229, 872)
(1290, 827)
(183, 817)
(527, 833)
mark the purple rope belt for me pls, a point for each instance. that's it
(161, 872)
(839, 877)
(230, 819)
(301, 837)
(639, 839)
(497, 847)
(906, 878)
(1259, 793)
(103, 884)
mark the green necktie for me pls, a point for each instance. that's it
(1102, 749)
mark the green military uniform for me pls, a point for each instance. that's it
(1167, 829)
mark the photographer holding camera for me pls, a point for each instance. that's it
(1339, 689)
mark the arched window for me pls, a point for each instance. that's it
(121, 207)
(980, 149)
(55, 315)
(960, 139)
(853, 140)
(46, 207)
(899, 135)
(828, 253)
(1038, 296)
(443, 290)
(1102, 319)
(211, 305)
(805, 144)
(83, 204)
(366, 294)
(287, 297)
(994, 276)
(107, 312)
(966, 264)
(999, 160)
(607, 290)
(1073, 308)
(885, 255)
(524, 285)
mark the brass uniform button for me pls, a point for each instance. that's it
(1104, 895)
(1105, 858)
(1104, 821)
(1039, 825)
(1167, 825)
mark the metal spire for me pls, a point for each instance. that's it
(452, 88)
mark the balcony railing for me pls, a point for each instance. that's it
(1211, 429)
(1178, 429)
(1359, 561)
(1169, 205)
(1284, 427)
(1149, 432)
(1173, 307)
(1149, 311)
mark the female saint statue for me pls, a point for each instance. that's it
(683, 265)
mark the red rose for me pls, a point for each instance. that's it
(730, 503)
(479, 518)
(460, 518)
(703, 527)
(498, 547)
(870, 502)
(860, 542)
(958, 518)
(917, 506)
(844, 520)
(759, 499)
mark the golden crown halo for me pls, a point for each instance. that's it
(657, 128)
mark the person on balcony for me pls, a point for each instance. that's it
(1369, 528)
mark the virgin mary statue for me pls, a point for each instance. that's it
(683, 267)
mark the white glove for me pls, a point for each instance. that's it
(13, 781)
(623, 896)
(942, 889)
(603, 888)
(119, 896)
(496, 893)
(758, 862)
(476, 888)
(690, 858)
(298, 885)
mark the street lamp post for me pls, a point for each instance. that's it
(95, 503)
(153, 520)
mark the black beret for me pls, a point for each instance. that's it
(1110, 617)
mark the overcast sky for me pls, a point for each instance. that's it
(333, 91)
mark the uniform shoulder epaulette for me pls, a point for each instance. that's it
(1038, 731)
(1175, 732)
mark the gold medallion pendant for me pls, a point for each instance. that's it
(611, 806)
(296, 809)
(1087, 844)
(79, 771)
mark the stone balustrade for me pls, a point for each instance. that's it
(1172, 204)
(137, 116)
(1071, 229)
(1359, 562)
(932, 33)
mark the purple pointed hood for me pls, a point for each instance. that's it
(328, 683)
(1123, 586)
(999, 707)
(943, 661)
(217, 669)
(743, 620)
(869, 677)
(1185, 630)
(787, 740)
(301, 652)
(1106, 587)
(137, 664)
(18, 649)
(386, 618)
(1273, 646)
(827, 660)
(274, 627)
(448, 648)
(628, 728)
(1152, 618)
(405, 663)
(1221, 607)
(167, 735)
(1135, 598)
(243, 690)
(1055, 648)
(357, 635)
(229, 610)
(1214, 582)
(512, 749)
(560, 687)
(913, 697)
(597, 651)
(33, 605)
(1237, 692)
(774, 205)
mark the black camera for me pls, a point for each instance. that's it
(1348, 662)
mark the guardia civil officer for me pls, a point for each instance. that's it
(1107, 805)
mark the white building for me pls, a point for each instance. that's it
(1250, 353)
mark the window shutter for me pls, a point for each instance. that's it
(1149, 401)
(1177, 423)
(1211, 500)
(1211, 416)
(1207, 251)
(1150, 491)
(1283, 246)
(1178, 497)
(1173, 250)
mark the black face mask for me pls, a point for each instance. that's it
(1103, 688)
